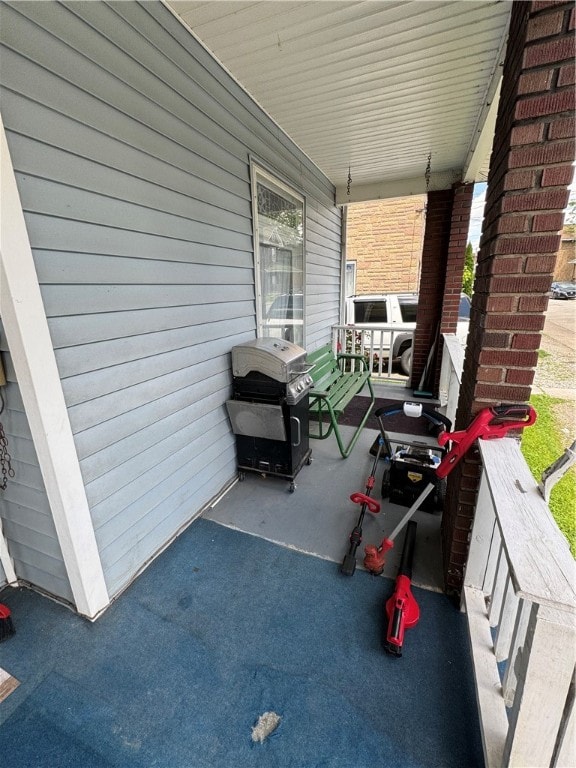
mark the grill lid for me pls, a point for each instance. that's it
(280, 360)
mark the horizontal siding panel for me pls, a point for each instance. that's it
(138, 358)
(77, 330)
(179, 512)
(149, 463)
(86, 269)
(102, 409)
(22, 451)
(112, 458)
(40, 569)
(138, 182)
(106, 433)
(81, 113)
(169, 371)
(118, 513)
(81, 237)
(28, 518)
(77, 300)
(26, 474)
(52, 199)
(184, 503)
(252, 126)
(33, 498)
(66, 64)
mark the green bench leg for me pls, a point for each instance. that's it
(345, 451)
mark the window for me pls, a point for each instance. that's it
(350, 284)
(278, 213)
(370, 312)
(408, 308)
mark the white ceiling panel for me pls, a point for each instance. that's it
(397, 94)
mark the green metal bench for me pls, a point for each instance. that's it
(333, 389)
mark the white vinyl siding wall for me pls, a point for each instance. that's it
(27, 521)
(131, 148)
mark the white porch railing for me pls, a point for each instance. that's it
(519, 595)
(374, 345)
(520, 600)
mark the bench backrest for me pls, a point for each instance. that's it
(326, 369)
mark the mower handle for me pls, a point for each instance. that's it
(433, 416)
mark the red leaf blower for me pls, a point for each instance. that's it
(401, 608)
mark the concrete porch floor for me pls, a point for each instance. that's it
(318, 517)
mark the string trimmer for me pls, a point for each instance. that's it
(349, 563)
(489, 424)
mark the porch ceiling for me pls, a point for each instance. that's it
(376, 87)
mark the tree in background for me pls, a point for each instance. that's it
(570, 215)
(468, 276)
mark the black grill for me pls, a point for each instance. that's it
(269, 409)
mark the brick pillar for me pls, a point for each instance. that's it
(432, 275)
(527, 193)
(445, 236)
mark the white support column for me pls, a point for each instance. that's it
(28, 336)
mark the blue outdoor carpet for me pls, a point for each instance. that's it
(221, 628)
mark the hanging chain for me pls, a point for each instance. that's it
(349, 184)
(5, 458)
(428, 171)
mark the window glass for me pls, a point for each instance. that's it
(408, 309)
(350, 286)
(279, 254)
(370, 312)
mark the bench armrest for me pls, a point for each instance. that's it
(347, 356)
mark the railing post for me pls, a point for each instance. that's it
(481, 538)
(546, 666)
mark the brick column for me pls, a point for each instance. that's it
(530, 171)
(445, 236)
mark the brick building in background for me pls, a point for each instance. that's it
(384, 243)
(565, 268)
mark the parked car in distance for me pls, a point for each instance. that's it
(397, 313)
(564, 290)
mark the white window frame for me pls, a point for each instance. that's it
(259, 174)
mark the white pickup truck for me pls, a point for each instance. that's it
(394, 315)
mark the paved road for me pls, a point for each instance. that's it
(556, 371)
(561, 323)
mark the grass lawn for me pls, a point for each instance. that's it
(541, 445)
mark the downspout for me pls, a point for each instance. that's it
(28, 336)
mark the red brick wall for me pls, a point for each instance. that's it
(384, 238)
(445, 238)
(527, 192)
(434, 259)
